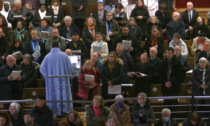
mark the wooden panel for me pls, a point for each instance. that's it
(156, 90)
(33, 93)
(191, 62)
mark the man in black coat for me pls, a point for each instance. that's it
(143, 82)
(189, 17)
(172, 73)
(11, 88)
(43, 116)
(3, 45)
(205, 53)
(99, 15)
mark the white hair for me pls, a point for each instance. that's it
(143, 95)
(119, 97)
(153, 48)
(67, 17)
(17, 106)
(177, 13)
(166, 110)
(189, 3)
(203, 59)
(17, 2)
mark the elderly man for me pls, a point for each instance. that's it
(16, 114)
(55, 37)
(156, 62)
(181, 58)
(144, 72)
(176, 25)
(68, 28)
(57, 63)
(11, 88)
(205, 53)
(110, 29)
(166, 119)
(189, 17)
(19, 12)
(178, 41)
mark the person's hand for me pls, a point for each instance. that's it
(68, 52)
(131, 75)
(139, 75)
(93, 84)
(190, 28)
(140, 17)
(110, 83)
(168, 84)
(110, 33)
(203, 86)
(24, 18)
(18, 78)
(10, 78)
(99, 53)
(130, 49)
(3, 57)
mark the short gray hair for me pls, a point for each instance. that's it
(144, 96)
(67, 17)
(17, 106)
(166, 110)
(17, 1)
(119, 97)
(203, 59)
(177, 13)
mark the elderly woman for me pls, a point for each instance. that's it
(193, 119)
(41, 14)
(21, 33)
(5, 119)
(156, 40)
(88, 88)
(111, 73)
(97, 112)
(89, 32)
(153, 21)
(110, 121)
(16, 114)
(68, 28)
(166, 119)
(142, 111)
(120, 111)
(100, 43)
(31, 70)
(201, 79)
(73, 119)
(35, 45)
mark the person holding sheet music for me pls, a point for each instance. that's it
(42, 13)
(11, 85)
(100, 46)
(88, 81)
(17, 13)
(111, 74)
(143, 74)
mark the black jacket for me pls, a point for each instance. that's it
(136, 32)
(163, 19)
(37, 19)
(17, 121)
(185, 18)
(60, 15)
(172, 28)
(43, 116)
(172, 123)
(98, 23)
(202, 28)
(157, 78)
(75, 5)
(203, 54)
(4, 46)
(63, 30)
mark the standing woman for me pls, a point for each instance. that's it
(111, 74)
(87, 90)
(89, 33)
(141, 14)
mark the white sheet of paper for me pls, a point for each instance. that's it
(36, 54)
(76, 51)
(44, 35)
(126, 44)
(89, 78)
(15, 74)
(114, 90)
(127, 85)
(18, 16)
(97, 49)
(47, 17)
(17, 54)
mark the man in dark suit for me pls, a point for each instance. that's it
(172, 73)
(99, 15)
(205, 53)
(189, 17)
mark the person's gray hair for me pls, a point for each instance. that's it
(177, 13)
(17, 1)
(17, 106)
(189, 3)
(120, 44)
(27, 56)
(153, 48)
(203, 59)
(166, 110)
(176, 35)
(145, 54)
(119, 97)
(67, 17)
(144, 96)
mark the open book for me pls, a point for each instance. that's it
(139, 73)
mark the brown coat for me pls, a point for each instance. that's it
(125, 120)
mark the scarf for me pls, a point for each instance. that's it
(19, 34)
(35, 45)
(92, 31)
(55, 10)
(97, 111)
(154, 39)
(203, 78)
(202, 43)
(42, 14)
(111, 66)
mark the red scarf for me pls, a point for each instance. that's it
(154, 40)
(203, 43)
(92, 28)
(97, 111)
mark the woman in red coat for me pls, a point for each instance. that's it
(87, 88)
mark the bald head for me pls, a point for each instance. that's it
(176, 16)
(153, 52)
(10, 60)
(177, 50)
(18, 4)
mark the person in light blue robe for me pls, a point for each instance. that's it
(57, 63)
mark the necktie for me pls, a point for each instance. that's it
(190, 17)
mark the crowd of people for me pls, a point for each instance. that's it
(37, 39)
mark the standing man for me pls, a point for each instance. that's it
(57, 63)
(79, 12)
(172, 76)
(10, 88)
(34, 3)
